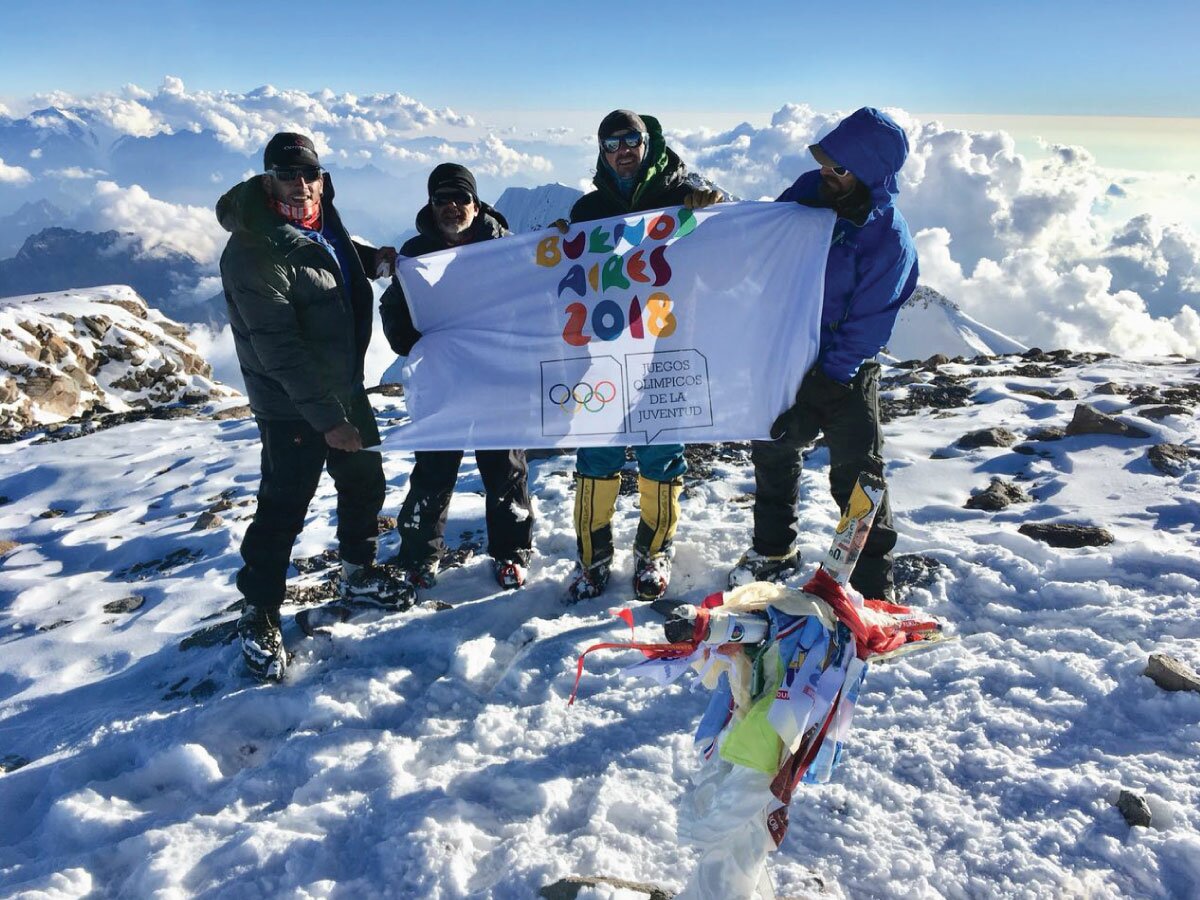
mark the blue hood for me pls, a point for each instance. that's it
(871, 145)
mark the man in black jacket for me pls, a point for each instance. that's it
(453, 217)
(300, 309)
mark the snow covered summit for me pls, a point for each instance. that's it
(931, 323)
(532, 209)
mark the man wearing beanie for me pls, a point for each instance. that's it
(453, 217)
(635, 171)
(300, 309)
(870, 272)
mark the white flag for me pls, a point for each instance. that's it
(669, 326)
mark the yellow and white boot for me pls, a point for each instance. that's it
(595, 503)
(652, 548)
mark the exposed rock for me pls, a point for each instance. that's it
(129, 604)
(915, 570)
(1040, 393)
(1088, 420)
(987, 437)
(8, 547)
(325, 559)
(1059, 534)
(997, 496)
(57, 623)
(233, 412)
(1135, 810)
(65, 361)
(10, 762)
(1110, 388)
(1032, 371)
(207, 520)
(1161, 412)
(1047, 433)
(211, 636)
(52, 513)
(938, 359)
(143, 570)
(943, 392)
(1171, 674)
(568, 888)
(1066, 394)
(1172, 459)
(387, 390)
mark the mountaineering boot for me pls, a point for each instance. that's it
(754, 566)
(652, 575)
(510, 573)
(589, 582)
(422, 575)
(375, 586)
(652, 548)
(595, 502)
(262, 642)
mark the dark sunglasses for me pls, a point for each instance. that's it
(839, 171)
(291, 173)
(613, 144)
(445, 198)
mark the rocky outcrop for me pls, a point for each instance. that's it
(78, 353)
(1088, 420)
(1061, 534)
(997, 496)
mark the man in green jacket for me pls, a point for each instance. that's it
(300, 303)
(635, 171)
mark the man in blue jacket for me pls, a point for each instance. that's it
(871, 271)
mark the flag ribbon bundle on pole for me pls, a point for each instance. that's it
(785, 667)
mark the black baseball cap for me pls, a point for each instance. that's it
(288, 149)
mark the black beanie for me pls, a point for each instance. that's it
(452, 175)
(289, 149)
(620, 120)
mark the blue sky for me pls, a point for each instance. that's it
(933, 56)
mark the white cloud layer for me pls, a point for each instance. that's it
(1032, 246)
(245, 121)
(1022, 245)
(188, 229)
(13, 174)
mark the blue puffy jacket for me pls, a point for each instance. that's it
(872, 267)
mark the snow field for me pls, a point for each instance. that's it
(432, 754)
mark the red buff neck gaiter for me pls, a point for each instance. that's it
(306, 216)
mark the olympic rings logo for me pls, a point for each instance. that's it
(583, 396)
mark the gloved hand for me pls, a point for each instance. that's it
(700, 198)
(562, 225)
(781, 427)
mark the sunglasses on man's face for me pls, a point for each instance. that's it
(613, 144)
(839, 171)
(291, 173)
(445, 198)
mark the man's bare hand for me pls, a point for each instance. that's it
(344, 436)
(385, 261)
(562, 225)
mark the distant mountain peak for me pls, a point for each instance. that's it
(931, 323)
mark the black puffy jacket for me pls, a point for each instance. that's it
(393, 306)
(301, 334)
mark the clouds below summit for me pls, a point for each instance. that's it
(1049, 246)
(1023, 245)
